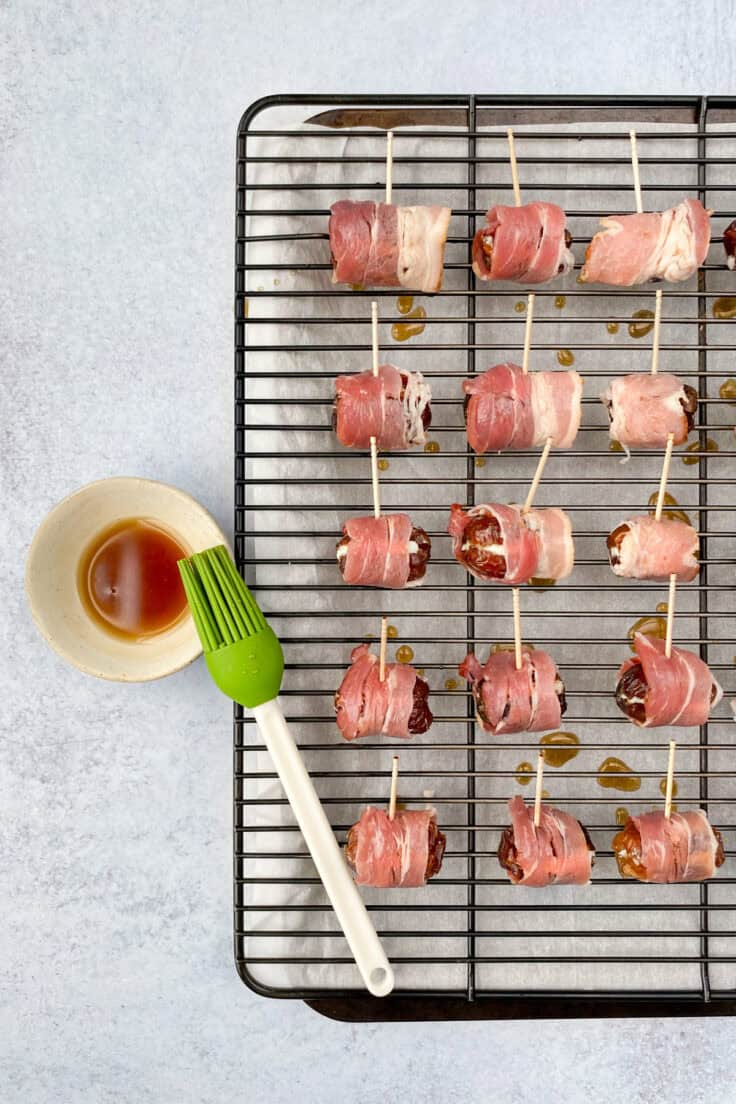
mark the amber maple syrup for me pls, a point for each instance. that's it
(524, 773)
(402, 331)
(642, 323)
(128, 579)
(559, 748)
(614, 774)
(725, 307)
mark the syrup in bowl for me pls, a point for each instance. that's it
(128, 579)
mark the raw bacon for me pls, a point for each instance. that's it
(682, 848)
(527, 244)
(633, 249)
(508, 409)
(403, 852)
(557, 852)
(556, 546)
(654, 690)
(644, 548)
(367, 706)
(386, 551)
(644, 409)
(531, 699)
(382, 245)
(393, 407)
(503, 544)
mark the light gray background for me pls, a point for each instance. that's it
(117, 126)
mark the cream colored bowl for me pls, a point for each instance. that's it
(51, 577)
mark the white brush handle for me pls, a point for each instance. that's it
(355, 922)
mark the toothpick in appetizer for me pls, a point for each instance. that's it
(646, 410)
(395, 848)
(555, 851)
(376, 698)
(526, 244)
(634, 249)
(384, 245)
(511, 545)
(658, 547)
(665, 847)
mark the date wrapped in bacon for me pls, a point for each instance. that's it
(382, 245)
(528, 244)
(507, 408)
(503, 544)
(729, 244)
(367, 706)
(387, 551)
(680, 848)
(644, 548)
(644, 409)
(557, 852)
(401, 853)
(655, 690)
(658, 245)
(531, 699)
(394, 407)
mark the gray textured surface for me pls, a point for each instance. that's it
(117, 129)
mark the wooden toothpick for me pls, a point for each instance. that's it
(538, 791)
(528, 332)
(670, 615)
(382, 651)
(537, 476)
(670, 781)
(374, 479)
(664, 477)
(389, 163)
(635, 170)
(394, 784)
(514, 168)
(517, 626)
(374, 336)
(655, 332)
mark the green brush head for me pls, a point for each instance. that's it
(242, 652)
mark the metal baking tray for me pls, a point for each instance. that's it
(610, 949)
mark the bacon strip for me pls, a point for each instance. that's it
(525, 243)
(633, 249)
(366, 706)
(556, 546)
(390, 407)
(395, 853)
(511, 700)
(651, 549)
(378, 551)
(681, 848)
(558, 852)
(644, 409)
(680, 690)
(501, 544)
(423, 233)
(382, 245)
(508, 409)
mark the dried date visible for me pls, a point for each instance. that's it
(421, 715)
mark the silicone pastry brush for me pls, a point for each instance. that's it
(244, 657)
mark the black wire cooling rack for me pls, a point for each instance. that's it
(469, 945)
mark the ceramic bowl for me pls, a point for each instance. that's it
(51, 577)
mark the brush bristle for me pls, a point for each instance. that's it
(223, 609)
